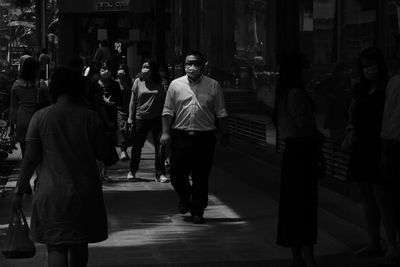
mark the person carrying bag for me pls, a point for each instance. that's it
(18, 244)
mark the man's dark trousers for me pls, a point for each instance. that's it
(192, 152)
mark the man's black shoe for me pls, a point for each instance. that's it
(197, 219)
(183, 207)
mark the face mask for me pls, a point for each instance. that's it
(370, 72)
(105, 74)
(193, 71)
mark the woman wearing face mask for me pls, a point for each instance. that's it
(112, 98)
(365, 119)
(145, 110)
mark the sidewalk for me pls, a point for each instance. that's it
(145, 228)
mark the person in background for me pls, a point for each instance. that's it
(28, 94)
(125, 84)
(193, 105)
(63, 142)
(390, 135)
(112, 99)
(145, 110)
(365, 124)
(302, 161)
(44, 63)
(103, 52)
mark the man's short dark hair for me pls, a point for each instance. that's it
(197, 54)
(66, 81)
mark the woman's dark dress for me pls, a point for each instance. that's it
(366, 118)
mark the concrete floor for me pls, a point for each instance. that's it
(145, 228)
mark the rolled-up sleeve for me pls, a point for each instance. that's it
(169, 107)
(220, 109)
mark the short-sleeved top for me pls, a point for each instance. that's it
(195, 105)
(295, 115)
(150, 97)
(68, 206)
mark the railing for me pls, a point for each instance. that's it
(337, 159)
(262, 133)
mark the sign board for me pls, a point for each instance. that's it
(112, 5)
(89, 6)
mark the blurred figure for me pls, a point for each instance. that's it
(125, 84)
(390, 135)
(28, 94)
(145, 110)
(335, 89)
(112, 99)
(44, 63)
(365, 120)
(302, 162)
(63, 141)
(103, 52)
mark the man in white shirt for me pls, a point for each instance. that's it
(193, 105)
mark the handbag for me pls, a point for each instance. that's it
(17, 243)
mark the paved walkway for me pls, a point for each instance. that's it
(145, 228)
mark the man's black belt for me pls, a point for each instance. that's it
(192, 133)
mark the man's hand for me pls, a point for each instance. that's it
(165, 139)
(17, 202)
(225, 140)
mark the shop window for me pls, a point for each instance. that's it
(250, 44)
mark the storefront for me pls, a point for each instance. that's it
(244, 40)
(127, 25)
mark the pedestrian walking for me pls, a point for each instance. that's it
(390, 135)
(365, 124)
(44, 63)
(194, 105)
(145, 110)
(125, 84)
(103, 52)
(112, 99)
(64, 140)
(94, 99)
(28, 94)
(302, 161)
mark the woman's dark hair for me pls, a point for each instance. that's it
(124, 67)
(374, 54)
(66, 81)
(290, 76)
(155, 72)
(29, 70)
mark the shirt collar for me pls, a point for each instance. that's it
(198, 80)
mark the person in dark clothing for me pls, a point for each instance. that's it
(365, 122)
(125, 84)
(302, 162)
(112, 99)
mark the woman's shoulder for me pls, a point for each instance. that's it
(19, 83)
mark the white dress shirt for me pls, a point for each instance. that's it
(194, 105)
